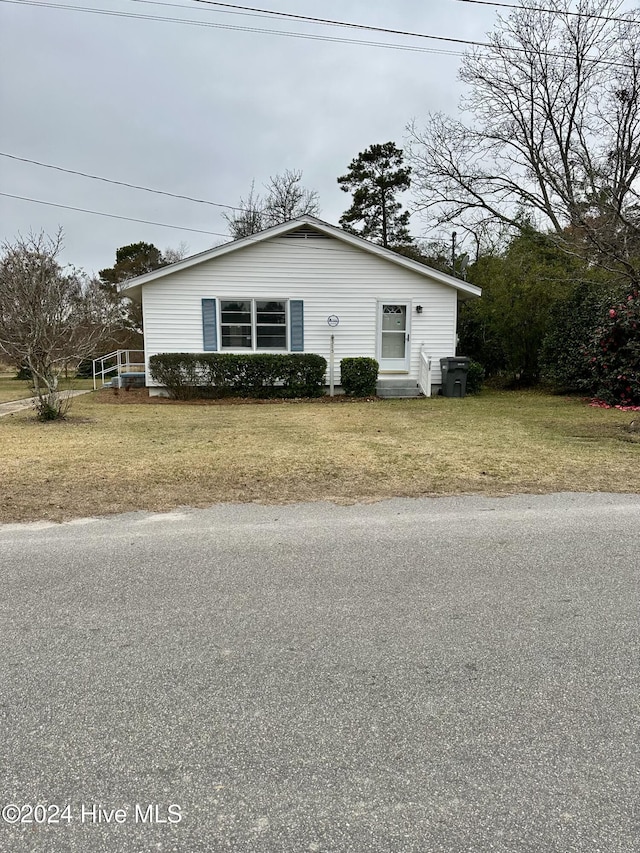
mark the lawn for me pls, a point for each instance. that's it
(112, 455)
(15, 389)
(12, 389)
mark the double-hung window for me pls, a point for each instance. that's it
(254, 324)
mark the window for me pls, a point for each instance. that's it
(253, 324)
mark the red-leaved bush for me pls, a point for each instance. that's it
(613, 354)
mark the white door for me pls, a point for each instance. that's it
(393, 335)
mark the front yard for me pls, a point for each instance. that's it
(113, 458)
(12, 389)
(16, 389)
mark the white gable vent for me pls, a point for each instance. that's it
(306, 231)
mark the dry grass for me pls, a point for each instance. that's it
(15, 389)
(12, 389)
(113, 458)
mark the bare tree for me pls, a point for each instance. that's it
(554, 136)
(285, 199)
(49, 315)
(248, 218)
(172, 256)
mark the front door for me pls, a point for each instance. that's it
(393, 335)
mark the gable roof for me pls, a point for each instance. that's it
(132, 286)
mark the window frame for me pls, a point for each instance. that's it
(253, 300)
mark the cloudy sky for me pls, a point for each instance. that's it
(201, 108)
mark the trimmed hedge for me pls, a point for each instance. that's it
(359, 376)
(191, 375)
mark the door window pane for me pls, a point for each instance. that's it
(394, 318)
(393, 345)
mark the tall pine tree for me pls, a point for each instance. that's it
(375, 177)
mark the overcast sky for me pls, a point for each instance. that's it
(202, 110)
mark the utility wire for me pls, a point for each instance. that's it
(113, 215)
(312, 37)
(194, 9)
(148, 222)
(121, 183)
(550, 11)
(211, 24)
(336, 23)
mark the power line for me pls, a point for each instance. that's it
(213, 25)
(310, 36)
(143, 221)
(113, 215)
(336, 23)
(549, 11)
(388, 30)
(121, 183)
(193, 9)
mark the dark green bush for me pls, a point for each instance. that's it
(475, 377)
(190, 375)
(572, 327)
(594, 345)
(613, 354)
(23, 373)
(85, 369)
(359, 376)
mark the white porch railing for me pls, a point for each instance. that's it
(424, 373)
(119, 363)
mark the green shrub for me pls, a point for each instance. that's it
(572, 327)
(190, 375)
(613, 354)
(85, 369)
(359, 376)
(475, 377)
(23, 373)
(594, 345)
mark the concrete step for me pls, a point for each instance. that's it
(398, 388)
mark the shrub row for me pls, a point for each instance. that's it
(189, 375)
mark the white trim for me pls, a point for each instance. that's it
(276, 231)
(254, 325)
(394, 368)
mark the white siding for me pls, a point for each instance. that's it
(330, 276)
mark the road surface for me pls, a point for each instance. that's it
(436, 676)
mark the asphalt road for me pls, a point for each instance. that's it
(434, 675)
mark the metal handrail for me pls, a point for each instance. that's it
(122, 363)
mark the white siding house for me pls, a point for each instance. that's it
(293, 286)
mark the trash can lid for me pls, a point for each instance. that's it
(455, 360)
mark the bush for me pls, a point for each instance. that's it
(23, 373)
(475, 377)
(178, 372)
(573, 325)
(190, 375)
(613, 354)
(359, 376)
(85, 369)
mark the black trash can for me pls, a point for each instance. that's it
(454, 375)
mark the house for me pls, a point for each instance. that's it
(305, 286)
